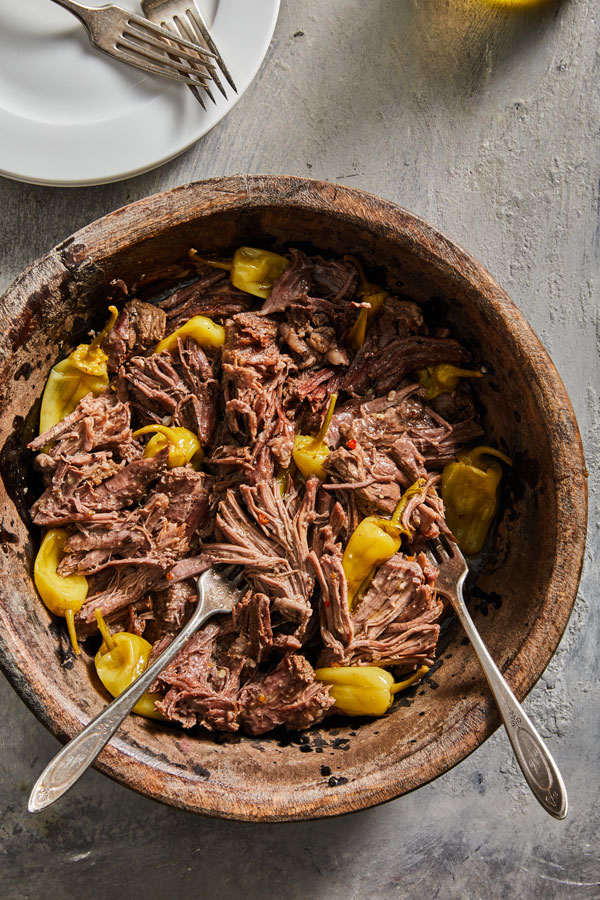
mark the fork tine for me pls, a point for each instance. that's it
(167, 68)
(138, 55)
(183, 44)
(190, 28)
(163, 45)
(195, 17)
(184, 31)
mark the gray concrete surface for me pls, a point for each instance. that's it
(485, 122)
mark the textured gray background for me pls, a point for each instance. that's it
(486, 123)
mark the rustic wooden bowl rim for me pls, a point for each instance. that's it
(137, 221)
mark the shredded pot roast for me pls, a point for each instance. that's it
(279, 414)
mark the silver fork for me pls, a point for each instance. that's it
(216, 594)
(537, 765)
(138, 42)
(183, 17)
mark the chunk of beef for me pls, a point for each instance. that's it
(172, 606)
(71, 498)
(212, 295)
(96, 424)
(252, 621)
(381, 363)
(292, 286)
(198, 411)
(312, 338)
(272, 546)
(375, 479)
(202, 685)
(139, 328)
(257, 433)
(395, 621)
(289, 696)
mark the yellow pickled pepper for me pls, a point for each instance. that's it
(251, 270)
(470, 495)
(83, 371)
(120, 660)
(373, 542)
(364, 690)
(63, 595)
(184, 445)
(438, 379)
(204, 331)
(369, 293)
(310, 452)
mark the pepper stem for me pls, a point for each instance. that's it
(416, 488)
(472, 457)
(103, 628)
(320, 437)
(402, 685)
(114, 312)
(226, 264)
(161, 429)
(70, 617)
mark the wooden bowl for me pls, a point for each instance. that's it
(524, 592)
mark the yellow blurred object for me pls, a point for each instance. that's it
(368, 293)
(364, 690)
(83, 371)
(310, 452)
(120, 660)
(202, 329)
(443, 378)
(184, 445)
(64, 595)
(251, 270)
(470, 495)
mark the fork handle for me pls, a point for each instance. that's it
(537, 765)
(78, 8)
(79, 753)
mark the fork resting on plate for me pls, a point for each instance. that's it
(141, 43)
(183, 17)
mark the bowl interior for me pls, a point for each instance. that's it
(521, 597)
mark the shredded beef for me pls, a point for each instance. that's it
(139, 327)
(141, 531)
(289, 696)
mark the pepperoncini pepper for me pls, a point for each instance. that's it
(373, 542)
(310, 452)
(184, 446)
(84, 370)
(63, 595)
(369, 293)
(204, 331)
(438, 379)
(120, 660)
(364, 690)
(470, 495)
(251, 270)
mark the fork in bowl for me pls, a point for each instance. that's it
(183, 17)
(537, 765)
(217, 593)
(141, 43)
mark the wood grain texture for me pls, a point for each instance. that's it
(527, 413)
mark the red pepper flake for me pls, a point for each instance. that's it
(263, 519)
(326, 602)
(351, 444)
(169, 576)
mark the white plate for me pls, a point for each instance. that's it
(70, 115)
